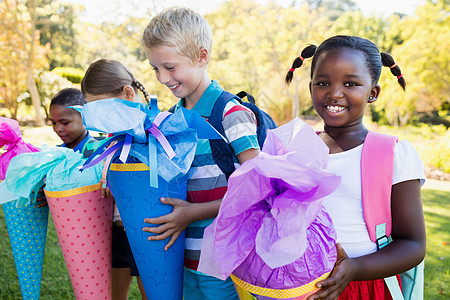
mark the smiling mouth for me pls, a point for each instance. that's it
(172, 87)
(335, 108)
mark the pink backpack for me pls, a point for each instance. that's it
(377, 166)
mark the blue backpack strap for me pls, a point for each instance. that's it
(221, 151)
(263, 120)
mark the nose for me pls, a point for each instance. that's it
(335, 92)
(163, 77)
(59, 128)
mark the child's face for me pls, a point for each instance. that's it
(341, 86)
(184, 78)
(68, 125)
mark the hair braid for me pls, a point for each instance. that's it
(388, 61)
(140, 87)
(306, 53)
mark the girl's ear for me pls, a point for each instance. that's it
(204, 57)
(128, 93)
(374, 93)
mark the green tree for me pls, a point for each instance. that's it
(331, 9)
(48, 84)
(56, 23)
(423, 58)
(19, 20)
(12, 77)
(254, 47)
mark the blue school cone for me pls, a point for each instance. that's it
(27, 229)
(161, 271)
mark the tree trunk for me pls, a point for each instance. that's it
(31, 83)
(34, 94)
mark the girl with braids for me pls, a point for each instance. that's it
(110, 79)
(344, 75)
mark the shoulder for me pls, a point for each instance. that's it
(236, 114)
(235, 109)
(407, 163)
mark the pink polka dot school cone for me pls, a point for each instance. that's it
(83, 223)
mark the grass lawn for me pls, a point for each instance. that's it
(56, 283)
(55, 278)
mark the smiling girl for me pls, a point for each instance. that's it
(344, 79)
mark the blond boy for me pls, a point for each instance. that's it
(178, 43)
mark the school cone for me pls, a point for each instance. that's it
(161, 271)
(83, 223)
(27, 230)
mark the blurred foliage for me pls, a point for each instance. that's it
(23, 54)
(74, 75)
(48, 84)
(56, 23)
(431, 141)
(254, 46)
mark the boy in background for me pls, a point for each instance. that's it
(67, 122)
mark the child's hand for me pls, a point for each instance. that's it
(341, 275)
(172, 224)
(106, 192)
(41, 200)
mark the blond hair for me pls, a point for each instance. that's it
(182, 28)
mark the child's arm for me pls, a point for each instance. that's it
(406, 250)
(184, 213)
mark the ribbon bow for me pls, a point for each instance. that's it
(134, 125)
(126, 139)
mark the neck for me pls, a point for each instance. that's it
(347, 137)
(77, 141)
(191, 100)
(351, 130)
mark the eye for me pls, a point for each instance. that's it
(349, 84)
(53, 123)
(322, 83)
(65, 123)
(170, 68)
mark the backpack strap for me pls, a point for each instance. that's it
(377, 166)
(221, 151)
(250, 98)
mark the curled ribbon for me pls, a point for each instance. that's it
(125, 141)
(156, 135)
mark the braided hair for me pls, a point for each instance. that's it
(374, 59)
(109, 77)
(140, 87)
(298, 61)
(388, 61)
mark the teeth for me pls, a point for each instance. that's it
(335, 108)
(174, 86)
